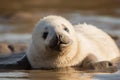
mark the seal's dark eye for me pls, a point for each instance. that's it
(66, 29)
(45, 34)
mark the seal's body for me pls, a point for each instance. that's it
(57, 43)
(96, 42)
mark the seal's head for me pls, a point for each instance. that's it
(53, 33)
(52, 38)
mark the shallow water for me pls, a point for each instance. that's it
(56, 75)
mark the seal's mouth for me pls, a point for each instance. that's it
(59, 43)
(62, 45)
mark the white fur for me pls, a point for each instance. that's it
(97, 42)
(87, 39)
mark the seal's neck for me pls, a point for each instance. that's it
(65, 59)
(71, 58)
(48, 59)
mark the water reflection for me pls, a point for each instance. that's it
(64, 74)
(59, 75)
(68, 74)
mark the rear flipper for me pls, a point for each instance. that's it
(22, 64)
(90, 63)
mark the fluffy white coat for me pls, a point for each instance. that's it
(87, 39)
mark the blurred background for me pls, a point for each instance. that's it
(18, 17)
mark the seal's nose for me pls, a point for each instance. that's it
(56, 40)
(59, 41)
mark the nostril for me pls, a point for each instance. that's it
(60, 36)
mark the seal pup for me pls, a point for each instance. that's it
(56, 43)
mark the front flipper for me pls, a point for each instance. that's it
(116, 62)
(104, 66)
(90, 63)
